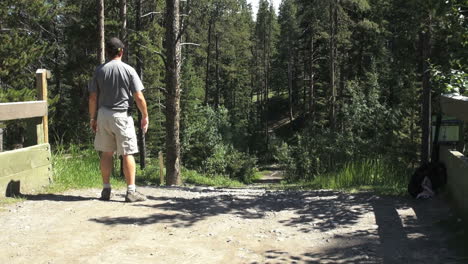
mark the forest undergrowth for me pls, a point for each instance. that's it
(77, 167)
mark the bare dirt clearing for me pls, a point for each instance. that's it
(208, 225)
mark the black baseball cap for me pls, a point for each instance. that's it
(114, 44)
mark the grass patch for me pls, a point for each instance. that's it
(193, 177)
(76, 168)
(259, 174)
(368, 175)
(255, 97)
(150, 175)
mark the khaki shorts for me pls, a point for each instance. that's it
(115, 132)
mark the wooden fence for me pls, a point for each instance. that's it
(27, 170)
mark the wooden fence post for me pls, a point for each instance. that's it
(41, 83)
(161, 168)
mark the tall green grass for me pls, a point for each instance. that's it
(151, 176)
(75, 168)
(370, 174)
(78, 167)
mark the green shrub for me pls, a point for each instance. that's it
(240, 166)
(228, 161)
(207, 147)
(202, 135)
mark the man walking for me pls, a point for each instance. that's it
(114, 86)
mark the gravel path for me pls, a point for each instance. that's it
(208, 225)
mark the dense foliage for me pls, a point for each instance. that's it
(314, 86)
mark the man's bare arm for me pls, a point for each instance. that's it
(92, 107)
(141, 104)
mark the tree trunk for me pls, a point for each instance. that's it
(217, 95)
(290, 94)
(290, 62)
(305, 88)
(426, 98)
(333, 6)
(101, 51)
(173, 56)
(341, 90)
(267, 75)
(57, 72)
(123, 26)
(208, 60)
(412, 133)
(311, 76)
(139, 69)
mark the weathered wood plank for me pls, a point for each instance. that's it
(16, 161)
(30, 181)
(11, 111)
(457, 184)
(40, 133)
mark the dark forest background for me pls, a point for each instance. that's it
(316, 86)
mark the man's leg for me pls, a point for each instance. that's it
(129, 171)
(106, 170)
(106, 166)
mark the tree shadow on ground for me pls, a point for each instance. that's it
(363, 250)
(324, 209)
(412, 238)
(396, 238)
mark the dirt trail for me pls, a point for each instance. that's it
(208, 225)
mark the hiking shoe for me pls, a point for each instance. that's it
(105, 194)
(135, 196)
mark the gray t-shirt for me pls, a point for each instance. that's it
(115, 82)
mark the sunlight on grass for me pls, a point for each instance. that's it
(193, 177)
(368, 175)
(76, 168)
(255, 97)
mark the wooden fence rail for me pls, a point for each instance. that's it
(11, 111)
(27, 170)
